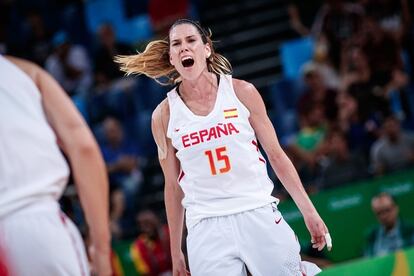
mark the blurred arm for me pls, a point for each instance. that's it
(79, 145)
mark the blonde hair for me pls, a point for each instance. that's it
(154, 62)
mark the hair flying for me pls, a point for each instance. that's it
(154, 61)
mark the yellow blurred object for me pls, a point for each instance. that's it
(401, 267)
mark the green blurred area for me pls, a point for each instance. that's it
(397, 264)
(347, 212)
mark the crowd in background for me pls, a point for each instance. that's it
(355, 107)
(354, 104)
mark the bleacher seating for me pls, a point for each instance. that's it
(128, 30)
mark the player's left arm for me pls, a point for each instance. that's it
(87, 164)
(278, 159)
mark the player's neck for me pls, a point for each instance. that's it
(204, 86)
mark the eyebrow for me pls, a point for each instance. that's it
(189, 36)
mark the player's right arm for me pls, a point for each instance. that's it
(173, 193)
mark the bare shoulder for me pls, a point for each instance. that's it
(26, 66)
(242, 86)
(18, 61)
(161, 114)
(247, 93)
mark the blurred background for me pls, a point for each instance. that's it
(336, 77)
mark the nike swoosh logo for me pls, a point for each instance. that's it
(277, 221)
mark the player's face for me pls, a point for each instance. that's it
(188, 53)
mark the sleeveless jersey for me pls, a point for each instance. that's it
(222, 169)
(32, 169)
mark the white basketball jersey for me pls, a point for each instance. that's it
(223, 171)
(32, 169)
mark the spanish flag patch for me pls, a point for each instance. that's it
(230, 113)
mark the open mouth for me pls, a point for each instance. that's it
(187, 61)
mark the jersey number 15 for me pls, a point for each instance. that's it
(218, 155)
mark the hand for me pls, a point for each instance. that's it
(179, 266)
(319, 232)
(101, 262)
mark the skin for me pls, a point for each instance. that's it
(79, 145)
(385, 210)
(199, 91)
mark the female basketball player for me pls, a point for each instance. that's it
(207, 132)
(36, 238)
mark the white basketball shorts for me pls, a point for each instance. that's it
(41, 241)
(259, 240)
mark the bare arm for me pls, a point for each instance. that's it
(295, 20)
(173, 194)
(281, 164)
(86, 161)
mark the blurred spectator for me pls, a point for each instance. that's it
(327, 72)
(302, 14)
(116, 98)
(336, 22)
(153, 245)
(340, 165)
(382, 51)
(393, 16)
(112, 94)
(317, 93)
(313, 128)
(360, 131)
(107, 48)
(373, 97)
(392, 233)
(117, 214)
(122, 159)
(69, 64)
(394, 150)
(354, 66)
(305, 149)
(387, 79)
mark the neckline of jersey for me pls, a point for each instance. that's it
(215, 107)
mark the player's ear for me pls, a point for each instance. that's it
(170, 58)
(207, 50)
